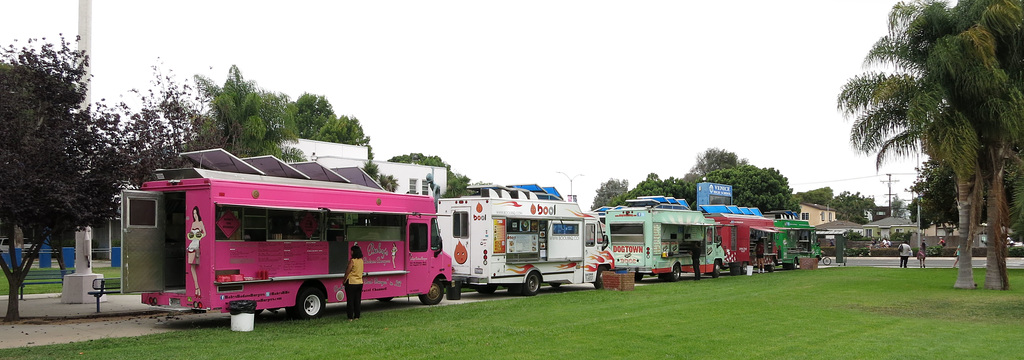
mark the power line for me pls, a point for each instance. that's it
(851, 179)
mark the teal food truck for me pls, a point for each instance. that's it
(658, 235)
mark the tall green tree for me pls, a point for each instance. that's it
(252, 121)
(653, 185)
(62, 162)
(713, 159)
(312, 112)
(821, 196)
(955, 93)
(608, 191)
(315, 120)
(937, 188)
(456, 183)
(763, 188)
(852, 207)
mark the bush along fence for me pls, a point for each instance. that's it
(930, 251)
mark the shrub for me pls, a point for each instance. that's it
(1013, 251)
(851, 235)
(899, 237)
(858, 252)
(934, 251)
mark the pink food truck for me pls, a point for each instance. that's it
(259, 229)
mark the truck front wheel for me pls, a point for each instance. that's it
(434, 295)
(532, 285)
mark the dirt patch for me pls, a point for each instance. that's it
(56, 320)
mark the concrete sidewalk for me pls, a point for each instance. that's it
(49, 306)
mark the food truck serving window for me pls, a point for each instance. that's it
(263, 224)
(365, 227)
(626, 233)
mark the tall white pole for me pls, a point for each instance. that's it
(77, 286)
(85, 41)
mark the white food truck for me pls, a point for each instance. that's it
(519, 237)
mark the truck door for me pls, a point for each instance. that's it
(142, 241)
(418, 254)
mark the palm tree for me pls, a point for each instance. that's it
(252, 121)
(948, 97)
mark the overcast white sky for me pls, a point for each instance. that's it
(517, 91)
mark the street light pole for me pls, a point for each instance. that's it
(570, 183)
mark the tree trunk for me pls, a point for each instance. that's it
(13, 314)
(966, 194)
(998, 220)
(16, 276)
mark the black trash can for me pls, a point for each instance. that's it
(455, 290)
(243, 314)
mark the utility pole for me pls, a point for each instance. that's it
(890, 181)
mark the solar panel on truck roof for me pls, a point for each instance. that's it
(316, 171)
(734, 209)
(356, 175)
(543, 193)
(271, 165)
(220, 160)
(756, 211)
(661, 202)
(746, 211)
(715, 209)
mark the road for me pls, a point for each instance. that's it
(933, 262)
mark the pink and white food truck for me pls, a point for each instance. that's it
(201, 238)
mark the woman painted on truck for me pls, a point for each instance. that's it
(195, 233)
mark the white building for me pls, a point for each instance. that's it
(411, 178)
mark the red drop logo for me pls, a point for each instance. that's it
(461, 255)
(479, 208)
(533, 209)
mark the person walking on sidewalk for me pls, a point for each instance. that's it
(905, 252)
(920, 257)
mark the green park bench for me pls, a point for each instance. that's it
(44, 276)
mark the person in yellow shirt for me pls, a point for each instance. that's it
(354, 283)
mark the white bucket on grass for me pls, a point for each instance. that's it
(750, 270)
(242, 322)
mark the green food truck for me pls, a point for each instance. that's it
(656, 235)
(795, 240)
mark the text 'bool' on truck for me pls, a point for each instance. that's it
(795, 239)
(519, 237)
(744, 233)
(261, 230)
(657, 235)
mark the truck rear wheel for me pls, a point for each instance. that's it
(532, 285)
(673, 276)
(308, 305)
(599, 282)
(718, 269)
(434, 295)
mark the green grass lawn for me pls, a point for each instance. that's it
(108, 272)
(836, 313)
